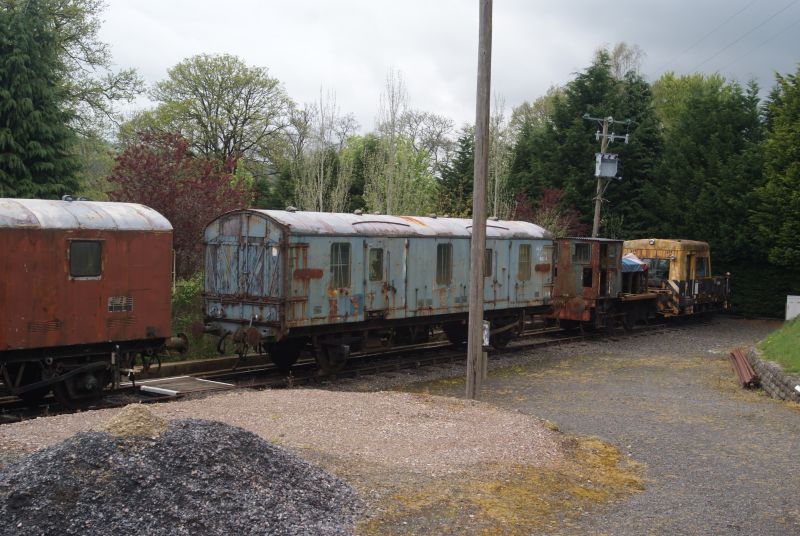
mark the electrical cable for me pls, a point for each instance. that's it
(773, 36)
(729, 45)
(690, 47)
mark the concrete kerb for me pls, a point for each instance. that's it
(775, 382)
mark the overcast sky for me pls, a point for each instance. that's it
(348, 46)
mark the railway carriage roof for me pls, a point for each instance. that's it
(666, 244)
(345, 224)
(48, 214)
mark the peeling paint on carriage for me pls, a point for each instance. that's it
(363, 270)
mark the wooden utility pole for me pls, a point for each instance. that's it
(475, 354)
(598, 200)
(605, 165)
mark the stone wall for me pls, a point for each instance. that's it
(775, 382)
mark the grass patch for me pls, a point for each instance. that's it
(512, 499)
(783, 346)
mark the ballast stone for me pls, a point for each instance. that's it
(196, 477)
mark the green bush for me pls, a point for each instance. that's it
(187, 308)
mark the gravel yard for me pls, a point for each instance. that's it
(719, 460)
(715, 459)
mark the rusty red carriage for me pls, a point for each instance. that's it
(83, 286)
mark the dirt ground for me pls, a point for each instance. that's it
(719, 460)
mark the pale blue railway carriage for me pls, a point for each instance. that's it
(287, 280)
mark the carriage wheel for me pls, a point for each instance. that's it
(284, 354)
(456, 333)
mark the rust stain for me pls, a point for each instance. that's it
(308, 273)
(543, 268)
(354, 301)
(412, 220)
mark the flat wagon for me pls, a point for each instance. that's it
(288, 280)
(83, 284)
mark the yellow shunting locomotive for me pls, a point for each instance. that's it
(679, 271)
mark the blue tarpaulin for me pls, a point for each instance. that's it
(632, 263)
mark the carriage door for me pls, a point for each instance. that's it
(375, 285)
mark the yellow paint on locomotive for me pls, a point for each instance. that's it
(684, 256)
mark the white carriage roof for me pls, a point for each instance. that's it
(346, 224)
(48, 214)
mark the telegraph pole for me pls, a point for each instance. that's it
(606, 164)
(475, 355)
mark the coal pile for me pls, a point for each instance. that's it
(194, 477)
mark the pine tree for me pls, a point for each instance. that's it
(777, 215)
(35, 139)
(559, 153)
(455, 187)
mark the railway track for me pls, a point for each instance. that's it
(305, 372)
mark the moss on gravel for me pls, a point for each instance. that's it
(512, 499)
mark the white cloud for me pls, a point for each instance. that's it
(349, 46)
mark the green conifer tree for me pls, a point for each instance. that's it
(36, 142)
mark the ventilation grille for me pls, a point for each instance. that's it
(41, 327)
(120, 321)
(120, 304)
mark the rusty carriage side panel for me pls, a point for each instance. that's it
(82, 273)
(588, 278)
(245, 266)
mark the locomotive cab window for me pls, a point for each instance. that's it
(658, 271)
(85, 258)
(524, 265)
(444, 263)
(340, 265)
(581, 253)
(376, 264)
(701, 268)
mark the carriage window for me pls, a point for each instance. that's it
(444, 264)
(340, 264)
(524, 266)
(85, 258)
(376, 264)
(581, 253)
(487, 263)
(701, 267)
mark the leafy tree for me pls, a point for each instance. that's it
(224, 108)
(399, 177)
(322, 174)
(189, 191)
(549, 213)
(362, 151)
(35, 140)
(97, 158)
(83, 66)
(777, 214)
